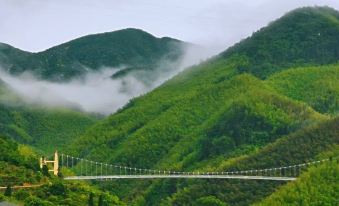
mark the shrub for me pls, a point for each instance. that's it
(21, 195)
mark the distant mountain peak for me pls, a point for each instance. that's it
(132, 47)
(303, 36)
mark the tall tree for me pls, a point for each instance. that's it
(45, 171)
(91, 199)
(8, 191)
(101, 201)
(60, 173)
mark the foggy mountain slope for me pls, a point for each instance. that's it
(132, 48)
(214, 111)
(48, 114)
(111, 67)
(45, 128)
(197, 83)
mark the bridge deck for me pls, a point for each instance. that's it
(180, 177)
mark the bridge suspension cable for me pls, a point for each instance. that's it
(87, 169)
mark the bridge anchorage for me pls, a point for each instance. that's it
(84, 169)
(55, 163)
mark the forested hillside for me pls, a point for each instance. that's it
(318, 186)
(221, 115)
(301, 37)
(45, 128)
(51, 127)
(19, 165)
(317, 86)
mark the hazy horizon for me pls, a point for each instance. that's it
(217, 24)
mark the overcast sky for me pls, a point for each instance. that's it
(36, 25)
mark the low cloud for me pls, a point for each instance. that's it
(97, 92)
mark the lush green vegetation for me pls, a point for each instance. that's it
(257, 105)
(318, 186)
(317, 86)
(305, 36)
(203, 114)
(44, 128)
(129, 47)
(215, 117)
(19, 166)
(58, 192)
(298, 147)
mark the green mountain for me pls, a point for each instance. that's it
(49, 128)
(305, 36)
(131, 49)
(270, 100)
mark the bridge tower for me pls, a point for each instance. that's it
(55, 162)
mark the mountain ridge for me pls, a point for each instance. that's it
(294, 34)
(131, 47)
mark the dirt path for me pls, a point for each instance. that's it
(21, 186)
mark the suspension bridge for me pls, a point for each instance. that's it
(84, 169)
